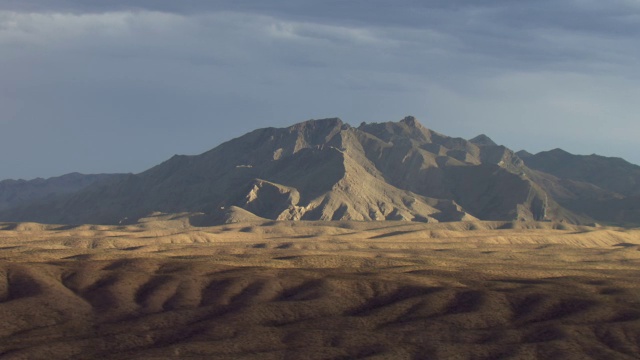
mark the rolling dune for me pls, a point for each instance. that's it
(323, 290)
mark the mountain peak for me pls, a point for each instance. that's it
(482, 140)
(523, 154)
(558, 151)
(320, 123)
(410, 121)
(557, 154)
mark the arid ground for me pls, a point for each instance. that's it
(319, 290)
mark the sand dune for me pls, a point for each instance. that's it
(325, 290)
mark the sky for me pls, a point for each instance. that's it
(120, 86)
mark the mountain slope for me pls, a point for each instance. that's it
(16, 192)
(612, 174)
(602, 188)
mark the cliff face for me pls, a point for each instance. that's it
(327, 170)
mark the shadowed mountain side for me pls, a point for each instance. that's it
(585, 200)
(16, 192)
(616, 211)
(612, 174)
(482, 140)
(497, 194)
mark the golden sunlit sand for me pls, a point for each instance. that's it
(319, 290)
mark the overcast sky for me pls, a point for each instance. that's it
(120, 86)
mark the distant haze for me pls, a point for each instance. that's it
(119, 86)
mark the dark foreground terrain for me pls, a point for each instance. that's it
(163, 289)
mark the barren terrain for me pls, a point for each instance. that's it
(319, 290)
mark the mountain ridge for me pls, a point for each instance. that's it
(15, 192)
(329, 170)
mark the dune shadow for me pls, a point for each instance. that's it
(393, 233)
(627, 245)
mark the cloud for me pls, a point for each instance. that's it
(165, 77)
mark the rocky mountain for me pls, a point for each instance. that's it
(602, 188)
(19, 192)
(328, 170)
(612, 174)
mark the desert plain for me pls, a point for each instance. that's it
(164, 288)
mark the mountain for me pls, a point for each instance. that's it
(612, 174)
(328, 170)
(18, 192)
(602, 188)
(483, 140)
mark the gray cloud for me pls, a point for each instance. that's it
(122, 85)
